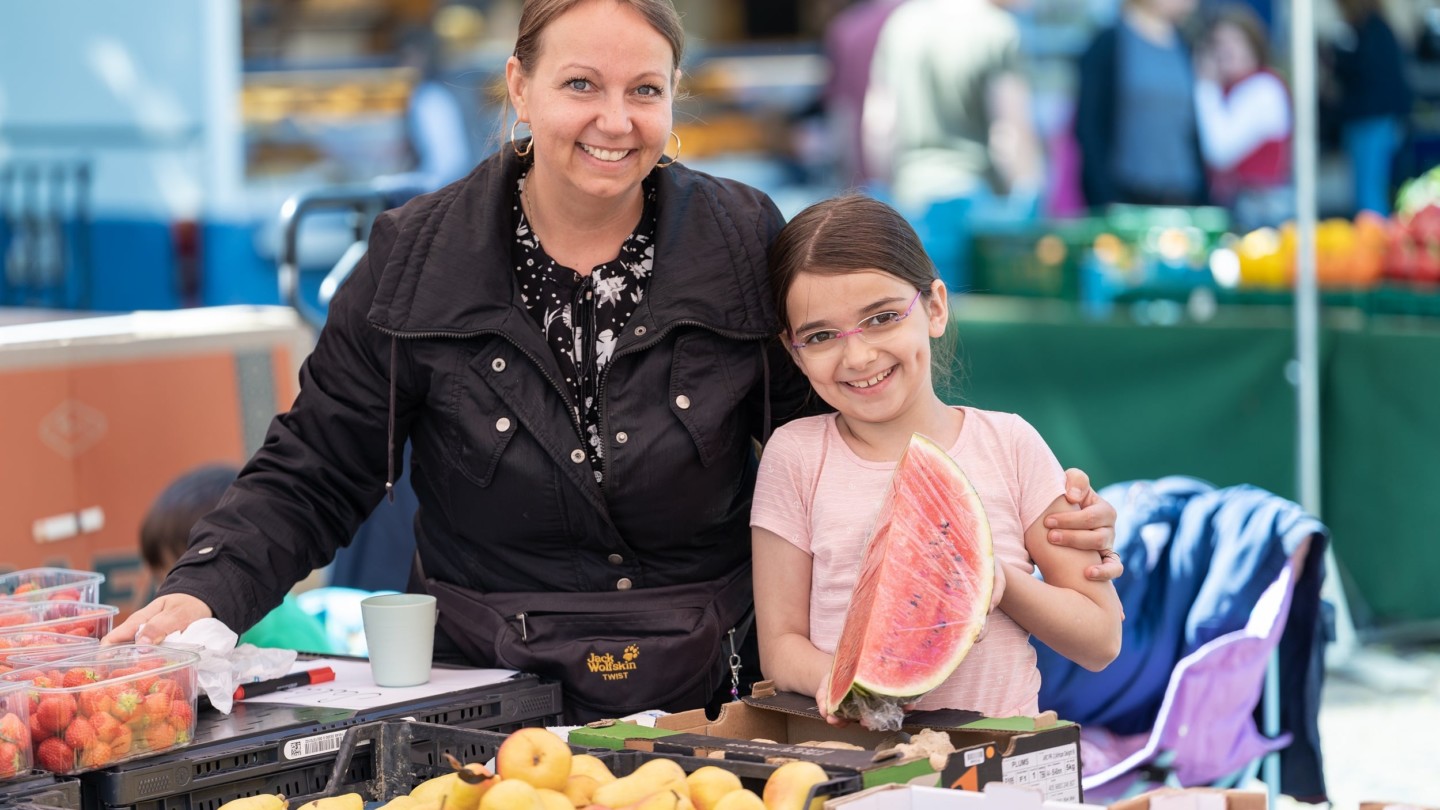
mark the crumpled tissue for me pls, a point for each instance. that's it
(224, 665)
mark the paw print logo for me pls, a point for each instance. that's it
(632, 652)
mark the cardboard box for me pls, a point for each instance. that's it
(995, 796)
(1043, 752)
(1196, 798)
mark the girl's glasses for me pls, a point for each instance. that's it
(872, 329)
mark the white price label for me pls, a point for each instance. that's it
(1054, 771)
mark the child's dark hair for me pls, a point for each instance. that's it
(165, 531)
(844, 234)
(854, 232)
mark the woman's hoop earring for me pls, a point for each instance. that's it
(665, 164)
(529, 146)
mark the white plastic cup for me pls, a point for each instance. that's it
(400, 633)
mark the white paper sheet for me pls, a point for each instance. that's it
(354, 688)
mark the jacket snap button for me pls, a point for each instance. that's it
(622, 437)
(206, 550)
(616, 559)
(577, 456)
(682, 402)
(498, 364)
(502, 424)
(624, 584)
(640, 331)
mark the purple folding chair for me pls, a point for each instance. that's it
(1205, 731)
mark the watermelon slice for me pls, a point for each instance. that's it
(923, 592)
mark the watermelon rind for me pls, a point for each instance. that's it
(879, 686)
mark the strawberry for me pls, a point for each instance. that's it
(181, 715)
(26, 587)
(94, 701)
(79, 733)
(66, 595)
(124, 738)
(96, 755)
(106, 726)
(55, 755)
(160, 736)
(38, 732)
(166, 686)
(13, 730)
(11, 762)
(125, 705)
(55, 712)
(157, 705)
(78, 676)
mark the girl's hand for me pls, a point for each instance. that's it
(999, 592)
(1092, 527)
(820, 695)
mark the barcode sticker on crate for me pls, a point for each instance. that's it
(302, 747)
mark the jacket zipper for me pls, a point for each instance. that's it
(632, 349)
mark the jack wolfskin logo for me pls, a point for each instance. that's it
(610, 669)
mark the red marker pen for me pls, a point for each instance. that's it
(307, 678)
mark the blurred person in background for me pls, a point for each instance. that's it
(850, 41)
(165, 535)
(445, 115)
(1135, 111)
(578, 341)
(1242, 108)
(1373, 99)
(948, 111)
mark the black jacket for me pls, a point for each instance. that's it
(1096, 114)
(508, 501)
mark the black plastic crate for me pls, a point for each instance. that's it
(41, 788)
(293, 750)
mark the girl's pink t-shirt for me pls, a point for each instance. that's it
(815, 492)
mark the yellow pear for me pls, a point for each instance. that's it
(537, 756)
(412, 803)
(580, 789)
(668, 799)
(554, 800)
(271, 801)
(345, 801)
(651, 777)
(511, 794)
(709, 784)
(788, 786)
(740, 800)
(591, 766)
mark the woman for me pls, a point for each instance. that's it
(578, 342)
(1243, 109)
(1135, 112)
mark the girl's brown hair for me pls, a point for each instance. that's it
(844, 234)
(1248, 23)
(537, 15)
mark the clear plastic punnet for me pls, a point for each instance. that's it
(15, 757)
(26, 648)
(47, 584)
(109, 705)
(88, 619)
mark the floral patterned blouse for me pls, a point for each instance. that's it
(582, 317)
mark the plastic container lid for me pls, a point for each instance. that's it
(44, 584)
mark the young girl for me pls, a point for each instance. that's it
(860, 302)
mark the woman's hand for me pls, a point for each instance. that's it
(170, 613)
(1092, 527)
